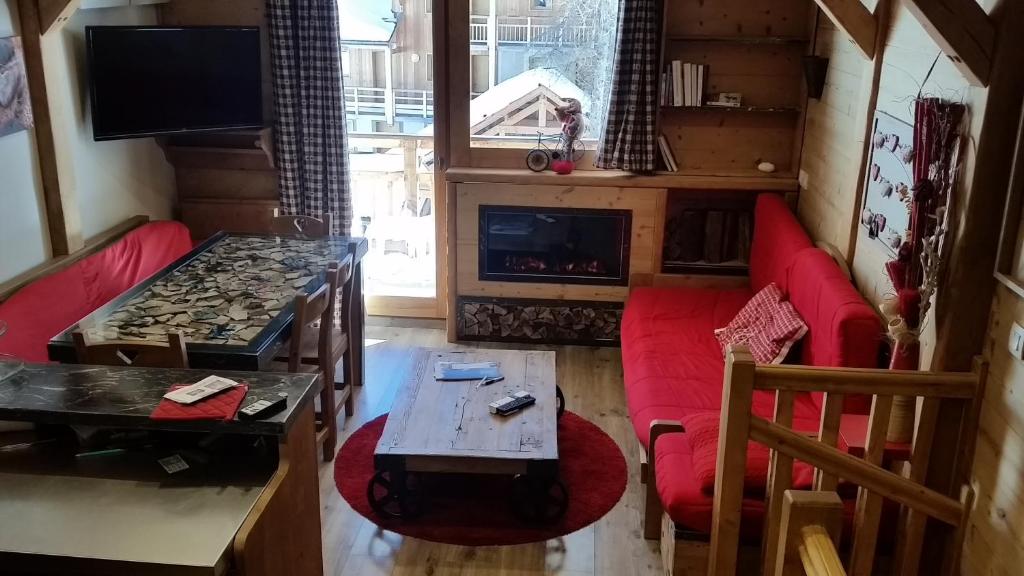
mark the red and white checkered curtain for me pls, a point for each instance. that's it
(309, 102)
(628, 142)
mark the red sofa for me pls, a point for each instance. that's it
(48, 306)
(673, 365)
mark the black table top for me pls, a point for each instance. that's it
(230, 296)
(118, 397)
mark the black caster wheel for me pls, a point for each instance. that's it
(559, 402)
(539, 500)
(538, 160)
(394, 495)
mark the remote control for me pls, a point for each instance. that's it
(512, 404)
(263, 408)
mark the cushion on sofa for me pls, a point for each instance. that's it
(778, 239)
(767, 325)
(702, 430)
(50, 305)
(690, 507)
(135, 257)
(671, 361)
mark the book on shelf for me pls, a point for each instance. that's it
(714, 228)
(666, 154)
(677, 83)
(702, 74)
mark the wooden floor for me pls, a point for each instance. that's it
(591, 379)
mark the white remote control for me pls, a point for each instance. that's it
(204, 388)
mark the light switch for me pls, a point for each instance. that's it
(1016, 344)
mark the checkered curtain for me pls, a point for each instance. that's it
(629, 141)
(309, 102)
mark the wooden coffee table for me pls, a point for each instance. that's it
(446, 427)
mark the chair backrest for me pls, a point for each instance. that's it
(305, 226)
(133, 353)
(317, 306)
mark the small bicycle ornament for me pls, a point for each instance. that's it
(552, 148)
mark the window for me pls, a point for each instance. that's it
(430, 67)
(535, 64)
(346, 62)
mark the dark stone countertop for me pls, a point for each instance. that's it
(124, 397)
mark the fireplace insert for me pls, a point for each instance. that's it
(555, 245)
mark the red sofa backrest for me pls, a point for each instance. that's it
(843, 330)
(50, 305)
(778, 238)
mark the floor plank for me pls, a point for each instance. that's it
(591, 379)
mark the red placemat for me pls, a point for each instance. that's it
(221, 406)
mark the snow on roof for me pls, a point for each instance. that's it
(366, 20)
(504, 93)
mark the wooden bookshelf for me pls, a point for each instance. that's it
(733, 109)
(751, 47)
(776, 40)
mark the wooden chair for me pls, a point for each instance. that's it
(305, 226)
(316, 344)
(132, 353)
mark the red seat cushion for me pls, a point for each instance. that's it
(50, 305)
(702, 435)
(778, 239)
(672, 363)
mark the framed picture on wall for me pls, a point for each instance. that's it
(887, 189)
(15, 107)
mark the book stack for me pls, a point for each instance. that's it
(682, 84)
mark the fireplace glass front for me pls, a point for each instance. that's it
(554, 245)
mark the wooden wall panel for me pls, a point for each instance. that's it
(643, 258)
(995, 541)
(830, 161)
(738, 17)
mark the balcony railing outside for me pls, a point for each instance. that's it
(375, 101)
(511, 30)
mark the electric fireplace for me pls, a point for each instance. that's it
(555, 245)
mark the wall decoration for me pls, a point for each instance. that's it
(887, 197)
(15, 107)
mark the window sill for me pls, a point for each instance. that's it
(754, 181)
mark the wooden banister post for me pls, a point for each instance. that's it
(734, 431)
(807, 516)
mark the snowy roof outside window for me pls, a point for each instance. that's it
(507, 92)
(366, 20)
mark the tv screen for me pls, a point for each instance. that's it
(145, 81)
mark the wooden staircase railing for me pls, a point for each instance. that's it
(876, 483)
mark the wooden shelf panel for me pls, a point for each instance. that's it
(776, 40)
(734, 268)
(707, 180)
(734, 109)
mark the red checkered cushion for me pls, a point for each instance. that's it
(768, 325)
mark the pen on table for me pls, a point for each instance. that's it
(487, 381)
(111, 452)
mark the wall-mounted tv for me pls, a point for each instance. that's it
(151, 80)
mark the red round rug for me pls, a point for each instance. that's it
(476, 510)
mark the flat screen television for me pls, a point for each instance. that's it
(151, 80)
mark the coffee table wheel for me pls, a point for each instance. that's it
(395, 495)
(559, 402)
(538, 499)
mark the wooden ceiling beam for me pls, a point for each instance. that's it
(963, 31)
(855, 20)
(55, 13)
